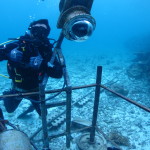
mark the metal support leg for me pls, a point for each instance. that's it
(68, 117)
(44, 121)
(96, 103)
(68, 91)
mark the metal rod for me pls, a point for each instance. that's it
(46, 92)
(43, 102)
(96, 103)
(68, 98)
(68, 116)
(127, 99)
(44, 121)
(68, 92)
(60, 40)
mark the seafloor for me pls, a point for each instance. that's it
(125, 124)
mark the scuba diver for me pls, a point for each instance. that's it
(27, 64)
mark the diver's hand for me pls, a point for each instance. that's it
(15, 55)
(35, 62)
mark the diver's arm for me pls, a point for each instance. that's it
(6, 49)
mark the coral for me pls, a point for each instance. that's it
(118, 138)
(140, 68)
(119, 88)
(135, 71)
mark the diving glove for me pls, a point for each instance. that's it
(15, 55)
(35, 62)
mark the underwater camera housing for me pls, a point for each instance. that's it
(75, 19)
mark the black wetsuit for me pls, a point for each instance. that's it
(1, 114)
(26, 79)
(1, 120)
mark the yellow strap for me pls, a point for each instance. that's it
(18, 81)
(8, 41)
(4, 76)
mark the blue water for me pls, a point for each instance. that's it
(117, 21)
(122, 26)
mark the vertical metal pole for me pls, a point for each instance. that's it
(96, 103)
(68, 116)
(68, 99)
(68, 90)
(42, 98)
(43, 114)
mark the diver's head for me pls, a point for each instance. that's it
(39, 29)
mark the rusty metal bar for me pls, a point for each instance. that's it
(68, 90)
(60, 40)
(68, 116)
(96, 103)
(42, 95)
(127, 99)
(46, 92)
(43, 115)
